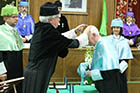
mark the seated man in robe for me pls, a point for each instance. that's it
(130, 30)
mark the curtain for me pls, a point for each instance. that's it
(121, 8)
(135, 5)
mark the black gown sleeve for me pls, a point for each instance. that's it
(126, 60)
(66, 26)
(74, 44)
(64, 52)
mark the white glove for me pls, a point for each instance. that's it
(130, 42)
(123, 66)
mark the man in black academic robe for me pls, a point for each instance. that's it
(46, 46)
(63, 23)
(63, 26)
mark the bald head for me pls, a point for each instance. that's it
(93, 29)
(94, 35)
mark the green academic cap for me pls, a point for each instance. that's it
(9, 10)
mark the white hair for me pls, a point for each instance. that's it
(93, 29)
(45, 19)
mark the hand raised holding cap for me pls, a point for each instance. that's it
(80, 28)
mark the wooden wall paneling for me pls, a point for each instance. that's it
(25, 57)
(92, 17)
(94, 12)
(34, 9)
(79, 19)
(75, 20)
(85, 19)
(72, 21)
(68, 66)
(110, 4)
(129, 70)
(68, 17)
(72, 61)
(133, 73)
(135, 66)
(133, 87)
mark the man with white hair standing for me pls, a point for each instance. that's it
(46, 45)
(105, 63)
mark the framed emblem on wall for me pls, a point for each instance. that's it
(74, 5)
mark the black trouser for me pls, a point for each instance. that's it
(123, 80)
(123, 83)
(14, 66)
(110, 82)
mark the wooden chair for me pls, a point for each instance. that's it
(8, 84)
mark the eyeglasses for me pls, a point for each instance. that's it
(13, 16)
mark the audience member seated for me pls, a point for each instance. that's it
(130, 29)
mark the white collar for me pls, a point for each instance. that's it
(116, 37)
(10, 27)
(23, 15)
(129, 23)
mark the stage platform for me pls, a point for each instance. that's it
(133, 87)
(76, 89)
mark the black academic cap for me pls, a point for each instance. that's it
(58, 3)
(48, 9)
